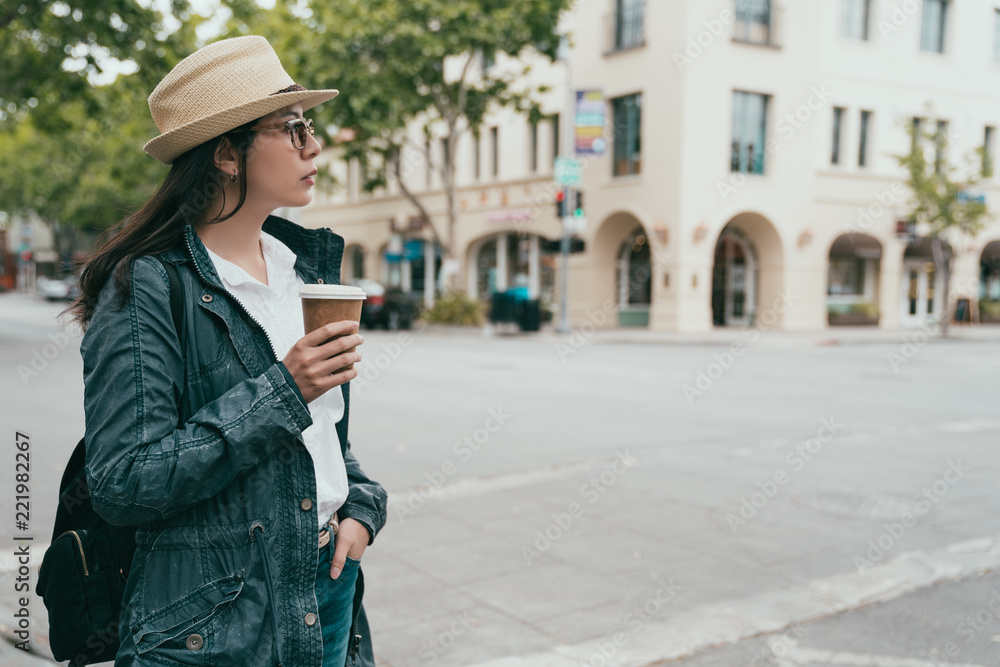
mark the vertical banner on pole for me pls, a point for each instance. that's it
(589, 120)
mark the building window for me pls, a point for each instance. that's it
(534, 147)
(988, 151)
(357, 262)
(854, 18)
(933, 27)
(555, 137)
(749, 132)
(487, 62)
(847, 276)
(866, 119)
(427, 161)
(495, 150)
(626, 26)
(940, 145)
(753, 21)
(477, 150)
(838, 122)
(917, 129)
(627, 112)
(996, 35)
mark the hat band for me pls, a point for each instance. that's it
(294, 88)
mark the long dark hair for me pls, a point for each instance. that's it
(191, 187)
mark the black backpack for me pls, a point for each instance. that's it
(83, 572)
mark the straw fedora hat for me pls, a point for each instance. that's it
(218, 88)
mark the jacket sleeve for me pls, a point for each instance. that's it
(366, 500)
(142, 464)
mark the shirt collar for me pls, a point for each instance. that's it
(280, 261)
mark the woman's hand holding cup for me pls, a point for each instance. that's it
(324, 358)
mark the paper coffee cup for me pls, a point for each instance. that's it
(323, 304)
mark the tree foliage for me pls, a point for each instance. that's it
(942, 199)
(400, 62)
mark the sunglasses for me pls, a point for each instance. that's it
(299, 130)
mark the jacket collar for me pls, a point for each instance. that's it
(318, 251)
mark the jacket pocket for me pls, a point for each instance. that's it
(183, 629)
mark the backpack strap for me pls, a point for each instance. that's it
(176, 296)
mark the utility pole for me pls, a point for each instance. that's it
(567, 152)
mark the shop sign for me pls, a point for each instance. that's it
(589, 120)
(516, 215)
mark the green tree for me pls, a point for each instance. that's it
(50, 48)
(401, 62)
(73, 155)
(941, 198)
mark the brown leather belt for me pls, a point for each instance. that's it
(328, 530)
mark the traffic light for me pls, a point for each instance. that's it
(26, 255)
(578, 210)
(561, 204)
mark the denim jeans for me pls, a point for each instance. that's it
(336, 599)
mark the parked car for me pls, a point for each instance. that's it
(391, 308)
(64, 289)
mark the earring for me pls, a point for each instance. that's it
(233, 178)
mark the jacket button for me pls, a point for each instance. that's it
(319, 281)
(310, 619)
(207, 298)
(194, 642)
(306, 504)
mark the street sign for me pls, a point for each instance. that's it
(568, 171)
(588, 122)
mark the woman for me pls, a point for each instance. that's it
(223, 436)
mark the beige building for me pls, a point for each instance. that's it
(748, 178)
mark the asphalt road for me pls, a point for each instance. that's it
(583, 500)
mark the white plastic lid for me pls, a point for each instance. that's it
(331, 292)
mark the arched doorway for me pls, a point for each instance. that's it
(507, 260)
(989, 283)
(621, 268)
(747, 272)
(734, 280)
(923, 284)
(852, 293)
(635, 280)
(354, 263)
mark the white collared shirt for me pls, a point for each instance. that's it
(278, 308)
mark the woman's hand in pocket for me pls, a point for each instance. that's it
(351, 540)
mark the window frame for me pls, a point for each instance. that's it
(736, 166)
(864, 137)
(941, 29)
(632, 159)
(838, 134)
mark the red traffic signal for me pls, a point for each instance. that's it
(561, 204)
(26, 255)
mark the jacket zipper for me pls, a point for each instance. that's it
(270, 343)
(356, 640)
(79, 546)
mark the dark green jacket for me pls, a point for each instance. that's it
(197, 441)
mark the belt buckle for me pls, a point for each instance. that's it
(329, 529)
